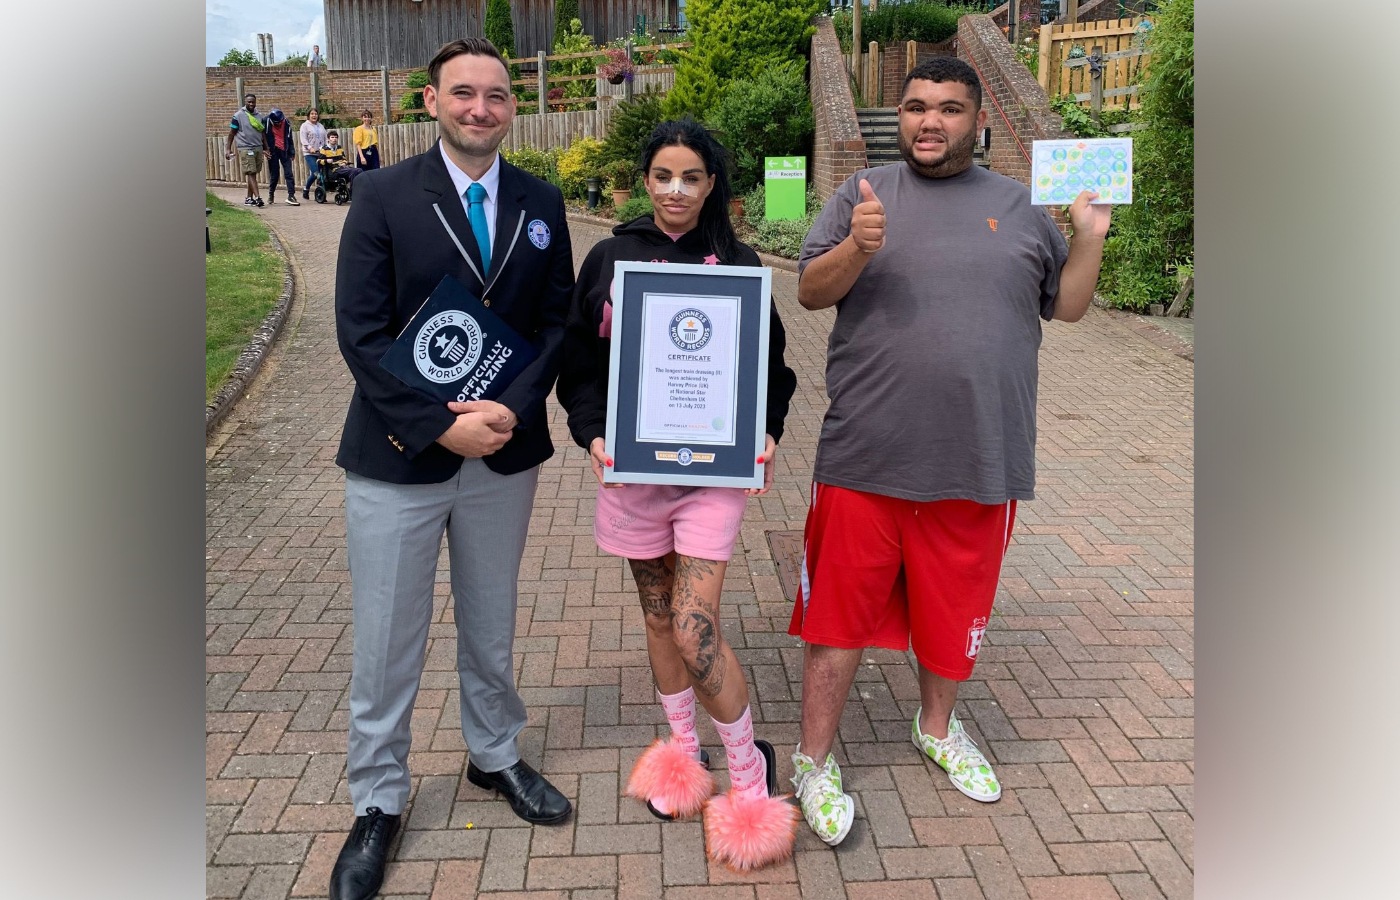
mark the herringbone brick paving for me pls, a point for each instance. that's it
(1082, 695)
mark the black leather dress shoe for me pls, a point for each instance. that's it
(359, 869)
(531, 796)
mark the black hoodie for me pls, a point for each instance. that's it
(583, 381)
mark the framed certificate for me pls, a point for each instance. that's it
(688, 376)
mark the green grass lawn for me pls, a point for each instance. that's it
(242, 281)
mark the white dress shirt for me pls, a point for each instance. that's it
(491, 181)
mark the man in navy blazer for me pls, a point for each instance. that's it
(416, 468)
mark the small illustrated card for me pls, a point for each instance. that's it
(1061, 169)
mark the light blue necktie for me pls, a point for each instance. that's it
(476, 214)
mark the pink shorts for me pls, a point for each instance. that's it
(647, 521)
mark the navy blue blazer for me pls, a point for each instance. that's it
(393, 251)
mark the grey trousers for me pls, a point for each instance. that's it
(394, 535)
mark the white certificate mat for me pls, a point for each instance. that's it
(1061, 169)
(688, 391)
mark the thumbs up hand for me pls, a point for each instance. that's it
(868, 220)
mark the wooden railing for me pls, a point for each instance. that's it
(1121, 58)
(647, 76)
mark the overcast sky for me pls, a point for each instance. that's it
(294, 25)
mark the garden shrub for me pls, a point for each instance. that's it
(782, 237)
(631, 127)
(924, 21)
(637, 206)
(573, 40)
(1158, 230)
(580, 162)
(735, 39)
(498, 27)
(768, 115)
(539, 163)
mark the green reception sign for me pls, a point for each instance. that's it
(784, 187)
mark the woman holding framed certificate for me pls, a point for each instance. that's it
(677, 538)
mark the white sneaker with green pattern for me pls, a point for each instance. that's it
(828, 809)
(957, 755)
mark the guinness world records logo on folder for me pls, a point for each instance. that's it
(454, 348)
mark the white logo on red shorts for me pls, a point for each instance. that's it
(975, 635)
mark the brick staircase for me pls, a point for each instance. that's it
(880, 128)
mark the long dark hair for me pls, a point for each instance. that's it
(714, 225)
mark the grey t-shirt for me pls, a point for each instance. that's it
(246, 137)
(932, 364)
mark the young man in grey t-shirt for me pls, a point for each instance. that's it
(941, 273)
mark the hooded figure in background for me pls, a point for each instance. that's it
(281, 149)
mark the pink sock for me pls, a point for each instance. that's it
(680, 711)
(748, 774)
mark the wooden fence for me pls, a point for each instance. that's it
(1120, 42)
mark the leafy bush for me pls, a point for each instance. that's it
(573, 40)
(498, 27)
(925, 21)
(580, 162)
(631, 127)
(1158, 230)
(1079, 122)
(769, 115)
(782, 237)
(565, 11)
(637, 206)
(734, 39)
(540, 163)
(620, 174)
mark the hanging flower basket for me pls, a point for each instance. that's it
(618, 68)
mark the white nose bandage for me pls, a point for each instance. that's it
(675, 186)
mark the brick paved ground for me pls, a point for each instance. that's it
(1082, 696)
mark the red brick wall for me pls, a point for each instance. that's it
(289, 89)
(838, 150)
(893, 59)
(1018, 111)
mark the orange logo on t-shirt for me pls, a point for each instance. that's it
(992, 224)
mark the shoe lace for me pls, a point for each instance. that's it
(373, 826)
(962, 751)
(821, 784)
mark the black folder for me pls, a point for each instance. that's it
(455, 348)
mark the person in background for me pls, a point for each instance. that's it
(366, 140)
(678, 540)
(315, 60)
(246, 131)
(281, 149)
(337, 157)
(312, 136)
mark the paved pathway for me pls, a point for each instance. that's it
(1082, 696)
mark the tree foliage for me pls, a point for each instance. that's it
(1158, 230)
(572, 40)
(732, 40)
(498, 27)
(925, 21)
(631, 128)
(767, 115)
(565, 11)
(236, 57)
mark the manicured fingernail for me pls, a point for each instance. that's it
(609, 462)
(760, 459)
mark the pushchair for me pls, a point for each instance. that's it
(333, 180)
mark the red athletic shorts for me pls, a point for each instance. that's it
(879, 571)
